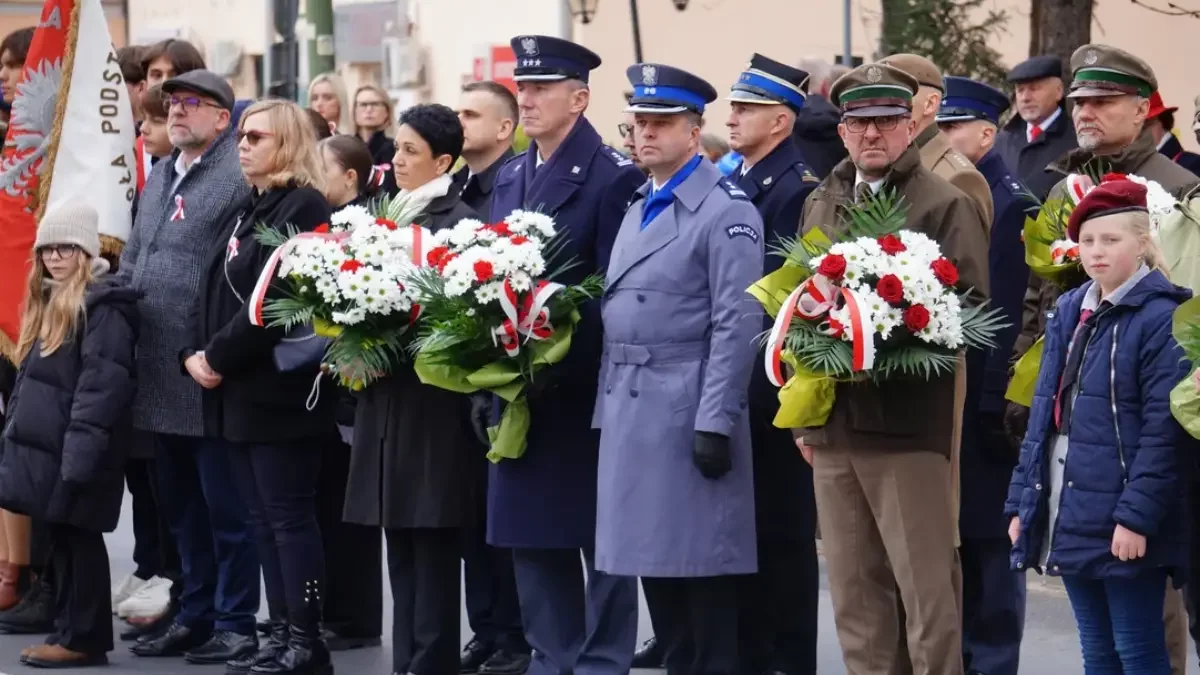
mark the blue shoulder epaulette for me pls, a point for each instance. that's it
(733, 190)
(615, 155)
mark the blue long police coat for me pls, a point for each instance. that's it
(679, 345)
(547, 498)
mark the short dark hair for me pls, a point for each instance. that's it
(154, 103)
(438, 125)
(320, 124)
(1167, 119)
(351, 153)
(183, 55)
(499, 91)
(130, 60)
(17, 43)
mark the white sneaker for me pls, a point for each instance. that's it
(124, 589)
(149, 601)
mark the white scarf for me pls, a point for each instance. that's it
(417, 200)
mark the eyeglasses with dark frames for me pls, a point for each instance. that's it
(189, 103)
(858, 125)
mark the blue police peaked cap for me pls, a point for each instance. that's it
(664, 90)
(550, 59)
(770, 82)
(968, 100)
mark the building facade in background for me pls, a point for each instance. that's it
(17, 14)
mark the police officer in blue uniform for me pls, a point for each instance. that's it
(993, 595)
(543, 505)
(779, 604)
(675, 503)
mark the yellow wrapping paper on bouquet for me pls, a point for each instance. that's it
(1185, 400)
(1025, 375)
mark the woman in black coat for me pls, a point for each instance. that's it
(415, 455)
(68, 425)
(276, 422)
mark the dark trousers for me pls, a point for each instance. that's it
(777, 606)
(423, 565)
(278, 484)
(82, 584)
(154, 550)
(353, 554)
(493, 610)
(993, 607)
(211, 526)
(575, 628)
(1121, 623)
(697, 624)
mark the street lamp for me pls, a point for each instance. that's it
(584, 10)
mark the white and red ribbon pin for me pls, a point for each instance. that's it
(177, 214)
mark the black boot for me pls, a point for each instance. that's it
(35, 614)
(305, 653)
(274, 641)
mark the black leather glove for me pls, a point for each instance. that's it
(711, 455)
(481, 416)
(1016, 420)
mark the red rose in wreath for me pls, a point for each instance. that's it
(916, 318)
(890, 288)
(832, 266)
(945, 271)
(891, 244)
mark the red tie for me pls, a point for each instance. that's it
(1034, 132)
(1083, 317)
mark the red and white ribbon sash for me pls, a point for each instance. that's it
(1078, 185)
(812, 300)
(178, 213)
(528, 316)
(258, 298)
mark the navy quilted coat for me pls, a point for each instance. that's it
(1125, 463)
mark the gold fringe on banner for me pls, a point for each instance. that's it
(46, 171)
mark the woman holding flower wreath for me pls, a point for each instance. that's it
(415, 454)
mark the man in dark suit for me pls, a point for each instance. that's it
(993, 595)
(816, 129)
(1041, 131)
(1160, 120)
(488, 112)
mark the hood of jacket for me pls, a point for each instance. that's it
(109, 292)
(1154, 285)
(817, 120)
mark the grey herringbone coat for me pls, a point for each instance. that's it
(165, 259)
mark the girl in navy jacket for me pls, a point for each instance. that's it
(1098, 496)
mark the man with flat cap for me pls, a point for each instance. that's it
(1160, 120)
(676, 497)
(936, 153)
(779, 604)
(993, 595)
(1111, 90)
(881, 464)
(543, 504)
(1041, 131)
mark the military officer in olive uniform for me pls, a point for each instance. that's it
(936, 153)
(543, 504)
(675, 503)
(779, 604)
(993, 594)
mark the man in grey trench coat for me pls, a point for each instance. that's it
(675, 498)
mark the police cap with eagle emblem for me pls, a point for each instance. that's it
(542, 58)
(874, 90)
(967, 100)
(665, 90)
(770, 82)
(1101, 70)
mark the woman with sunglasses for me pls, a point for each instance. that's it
(275, 422)
(415, 456)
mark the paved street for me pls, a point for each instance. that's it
(1050, 648)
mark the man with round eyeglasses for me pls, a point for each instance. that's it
(878, 461)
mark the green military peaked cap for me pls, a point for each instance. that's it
(1101, 70)
(874, 90)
